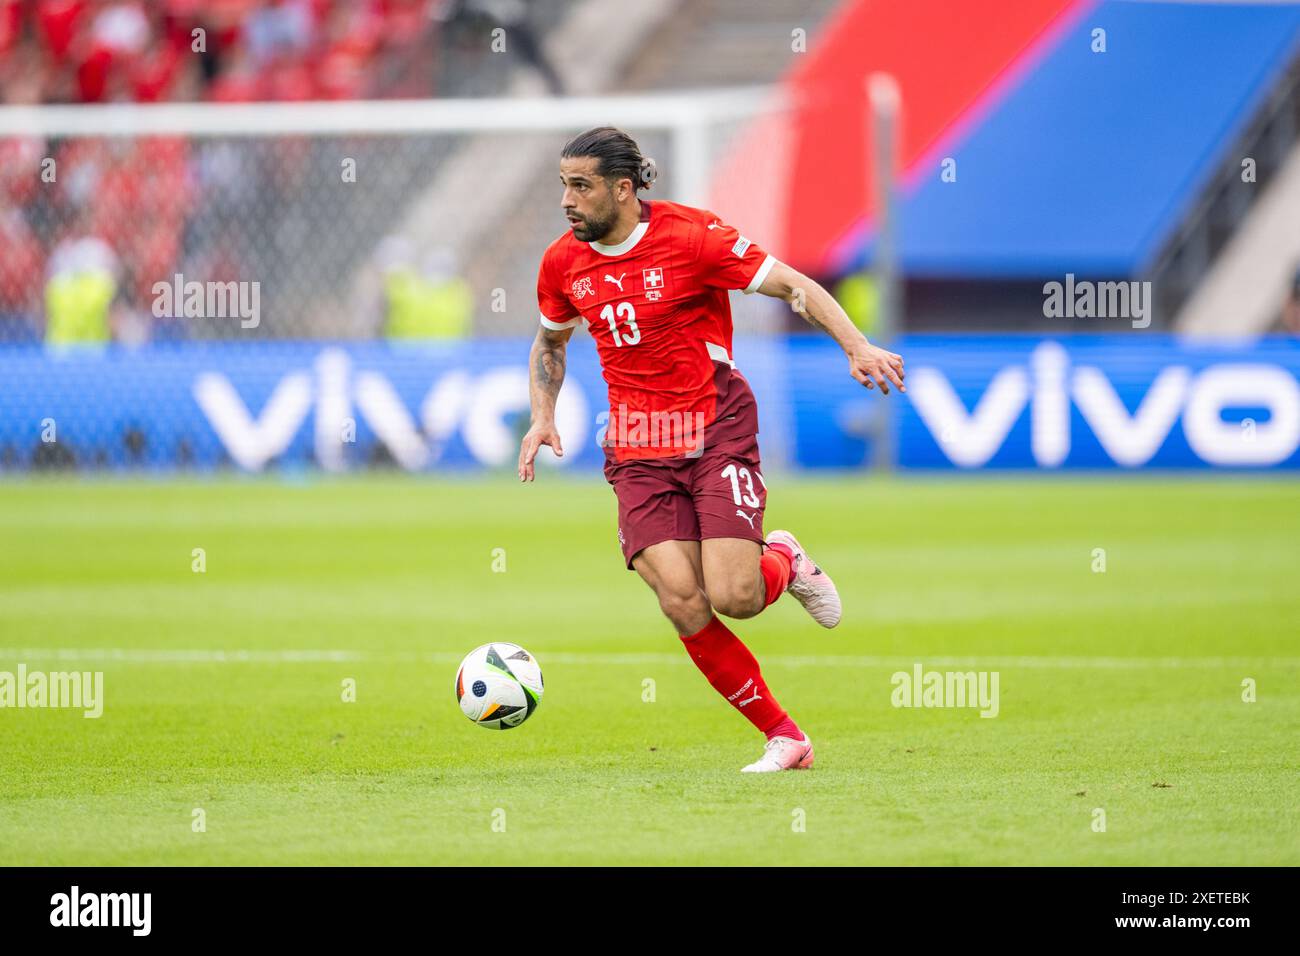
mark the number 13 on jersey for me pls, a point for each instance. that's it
(632, 335)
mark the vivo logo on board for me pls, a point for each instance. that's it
(1049, 385)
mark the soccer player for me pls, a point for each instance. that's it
(649, 280)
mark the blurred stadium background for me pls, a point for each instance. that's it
(384, 173)
(306, 493)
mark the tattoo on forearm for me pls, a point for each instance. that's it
(815, 322)
(549, 369)
(547, 373)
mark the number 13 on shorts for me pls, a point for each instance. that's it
(742, 485)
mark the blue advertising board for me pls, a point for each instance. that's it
(1137, 401)
(1097, 402)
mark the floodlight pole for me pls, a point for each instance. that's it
(884, 109)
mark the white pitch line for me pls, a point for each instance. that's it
(134, 656)
(202, 656)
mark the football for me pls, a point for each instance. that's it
(499, 685)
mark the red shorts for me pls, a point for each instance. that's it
(720, 494)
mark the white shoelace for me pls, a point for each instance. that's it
(778, 743)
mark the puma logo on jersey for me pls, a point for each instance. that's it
(715, 225)
(747, 517)
(618, 282)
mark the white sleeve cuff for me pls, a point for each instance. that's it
(560, 326)
(760, 275)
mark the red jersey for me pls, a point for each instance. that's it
(657, 306)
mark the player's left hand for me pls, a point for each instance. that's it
(872, 366)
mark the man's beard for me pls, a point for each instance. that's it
(594, 230)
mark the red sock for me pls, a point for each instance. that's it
(776, 562)
(732, 670)
(786, 728)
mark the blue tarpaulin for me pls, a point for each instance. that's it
(1091, 161)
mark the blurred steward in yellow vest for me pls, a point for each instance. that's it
(432, 302)
(858, 296)
(79, 292)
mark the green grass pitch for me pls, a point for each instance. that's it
(1120, 691)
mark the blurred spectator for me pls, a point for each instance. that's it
(11, 26)
(282, 28)
(858, 294)
(24, 73)
(20, 272)
(79, 291)
(89, 224)
(96, 51)
(432, 302)
(237, 79)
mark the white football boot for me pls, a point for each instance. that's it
(811, 586)
(783, 753)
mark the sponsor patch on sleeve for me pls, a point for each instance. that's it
(741, 245)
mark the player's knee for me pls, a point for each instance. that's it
(684, 606)
(737, 597)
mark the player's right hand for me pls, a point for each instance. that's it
(869, 362)
(537, 436)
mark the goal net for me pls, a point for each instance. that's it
(334, 217)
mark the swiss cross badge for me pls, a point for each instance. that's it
(653, 282)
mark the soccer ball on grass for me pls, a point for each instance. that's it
(499, 685)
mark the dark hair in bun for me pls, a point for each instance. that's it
(618, 154)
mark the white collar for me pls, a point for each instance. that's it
(624, 246)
